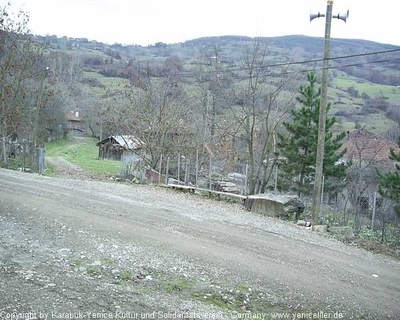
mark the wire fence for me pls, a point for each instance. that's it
(196, 170)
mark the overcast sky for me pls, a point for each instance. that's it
(146, 22)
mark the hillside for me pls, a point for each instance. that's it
(364, 80)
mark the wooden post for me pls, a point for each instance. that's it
(24, 155)
(245, 179)
(179, 168)
(197, 167)
(166, 172)
(159, 170)
(186, 172)
(373, 213)
(210, 173)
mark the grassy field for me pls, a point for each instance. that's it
(372, 89)
(83, 152)
(111, 83)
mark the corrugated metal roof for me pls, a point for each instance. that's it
(74, 116)
(126, 142)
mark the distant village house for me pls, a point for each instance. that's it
(365, 147)
(76, 125)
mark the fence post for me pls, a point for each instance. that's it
(373, 213)
(179, 168)
(166, 172)
(159, 170)
(186, 171)
(24, 155)
(210, 173)
(40, 160)
(245, 179)
(197, 167)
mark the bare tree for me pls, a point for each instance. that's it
(257, 109)
(211, 81)
(19, 58)
(362, 178)
(393, 133)
(159, 113)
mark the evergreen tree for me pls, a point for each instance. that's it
(390, 181)
(299, 144)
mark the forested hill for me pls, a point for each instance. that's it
(368, 60)
(364, 77)
(303, 48)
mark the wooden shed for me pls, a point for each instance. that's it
(119, 147)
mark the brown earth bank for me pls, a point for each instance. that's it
(92, 249)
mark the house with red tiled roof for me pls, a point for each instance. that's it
(368, 152)
(75, 123)
(364, 146)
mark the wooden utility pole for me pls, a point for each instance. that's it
(319, 165)
(316, 204)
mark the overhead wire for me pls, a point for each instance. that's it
(344, 66)
(286, 64)
(301, 62)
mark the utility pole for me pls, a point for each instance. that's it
(316, 204)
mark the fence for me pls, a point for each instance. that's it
(201, 171)
(22, 156)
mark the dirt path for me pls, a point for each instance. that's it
(88, 246)
(66, 169)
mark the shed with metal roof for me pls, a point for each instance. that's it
(118, 147)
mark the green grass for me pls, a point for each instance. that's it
(50, 170)
(109, 82)
(126, 275)
(83, 152)
(372, 89)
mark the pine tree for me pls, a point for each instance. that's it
(390, 181)
(299, 144)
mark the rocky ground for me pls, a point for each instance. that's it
(72, 248)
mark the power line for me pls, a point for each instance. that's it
(365, 45)
(287, 64)
(316, 68)
(344, 66)
(283, 64)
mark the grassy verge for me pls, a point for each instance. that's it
(83, 152)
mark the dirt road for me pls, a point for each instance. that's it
(90, 249)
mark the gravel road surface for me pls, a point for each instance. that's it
(93, 249)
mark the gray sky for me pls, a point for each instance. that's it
(147, 22)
